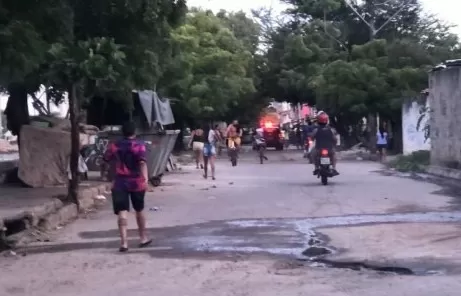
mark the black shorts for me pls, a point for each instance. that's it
(121, 200)
(380, 147)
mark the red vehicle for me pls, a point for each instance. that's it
(272, 135)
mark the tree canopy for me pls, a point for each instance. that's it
(211, 66)
(354, 58)
(358, 58)
(351, 58)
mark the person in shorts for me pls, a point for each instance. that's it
(381, 143)
(209, 151)
(130, 182)
(196, 143)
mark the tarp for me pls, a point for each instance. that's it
(145, 99)
(162, 110)
(156, 109)
(44, 156)
(148, 109)
(45, 153)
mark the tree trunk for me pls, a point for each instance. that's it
(48, 100)
(372, 129)
(17, 111)
(74, 109)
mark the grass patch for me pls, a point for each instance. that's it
(415, 162)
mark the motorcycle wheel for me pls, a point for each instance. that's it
(324, 180)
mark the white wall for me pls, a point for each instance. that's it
(413, 139)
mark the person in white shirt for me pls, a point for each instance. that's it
(209, 151)
(381, 143)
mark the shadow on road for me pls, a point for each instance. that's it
(212, 240)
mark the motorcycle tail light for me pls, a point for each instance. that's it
(324, 152)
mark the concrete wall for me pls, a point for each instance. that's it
(412, 138)
(445, 119)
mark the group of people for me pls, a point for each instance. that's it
(205, 142)
(131, 173)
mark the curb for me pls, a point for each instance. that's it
(444, 172)
(49, 215)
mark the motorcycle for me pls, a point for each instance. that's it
(324, 170)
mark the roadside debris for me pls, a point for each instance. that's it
(100, 197)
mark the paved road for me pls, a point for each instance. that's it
(259, 230)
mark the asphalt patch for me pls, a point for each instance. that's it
(295, 238)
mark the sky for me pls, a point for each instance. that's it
(446, 10)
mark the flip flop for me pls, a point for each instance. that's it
(123, 249)
(143, 245)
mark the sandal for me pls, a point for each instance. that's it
(123, 249)
(145, 244)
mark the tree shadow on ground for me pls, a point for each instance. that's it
(214, 240)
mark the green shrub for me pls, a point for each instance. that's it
(415, 162)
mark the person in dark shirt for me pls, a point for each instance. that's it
(130, 183)
(325, 138)
(308, 128)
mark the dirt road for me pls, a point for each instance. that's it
(246, 233)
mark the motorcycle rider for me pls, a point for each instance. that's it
(325, 138)
(308, 129)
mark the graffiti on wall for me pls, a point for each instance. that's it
(413, 138)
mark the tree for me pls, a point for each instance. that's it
(116, 46)
(355, 59)
(26, 31)
(98, 62)
(211, 71)
(104, 48)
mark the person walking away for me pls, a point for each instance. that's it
(196, 142)
(325, 138)
(286, 137)
(130, 182)
(260, 141)
(381, 143)
(234, 134)
(209, 151)
(308, 129)
(298, 135)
